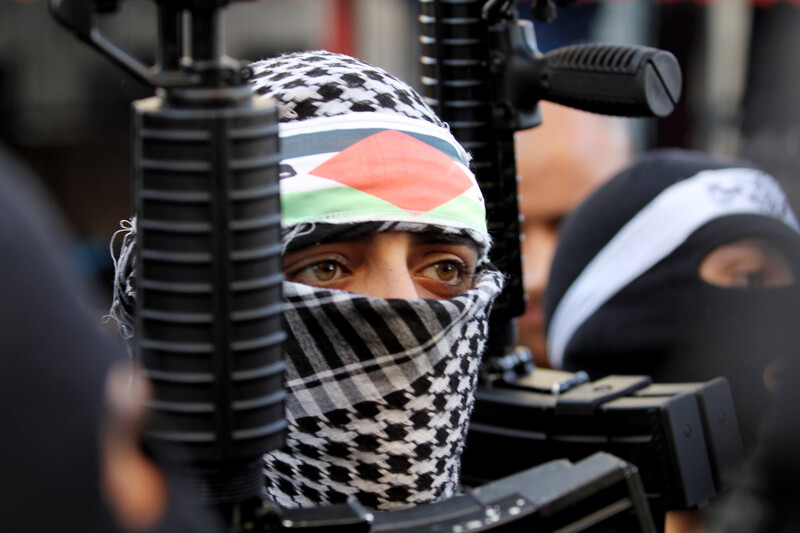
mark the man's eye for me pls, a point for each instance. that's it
(325, 270)
(318, 273)
(446, 271)
(751, 279)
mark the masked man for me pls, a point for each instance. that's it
(682, 267)
(388, 287)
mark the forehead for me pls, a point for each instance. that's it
(557, 190)
(565, 158)
(311, 234)
(367, 232)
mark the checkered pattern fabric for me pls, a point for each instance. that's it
(323, 84)
(381, 392)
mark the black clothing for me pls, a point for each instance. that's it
(667, 322)
(54, 360)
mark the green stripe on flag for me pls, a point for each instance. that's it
(336, 203)
(330, 202)
(463, 208)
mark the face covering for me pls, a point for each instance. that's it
(638, 305)
(380, 395)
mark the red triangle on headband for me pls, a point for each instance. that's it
(399, 169)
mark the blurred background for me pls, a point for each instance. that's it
(66, 110)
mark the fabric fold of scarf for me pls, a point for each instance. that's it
(381, 392)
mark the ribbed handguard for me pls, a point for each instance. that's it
(208, 273)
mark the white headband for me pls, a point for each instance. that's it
(655, 232)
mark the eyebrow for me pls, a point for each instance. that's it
(430, 237)
(423, 238)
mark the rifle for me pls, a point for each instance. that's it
(208, 296)
(206, 194)
(486, 93)
(484, 75)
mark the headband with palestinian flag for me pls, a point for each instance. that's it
(377, 167)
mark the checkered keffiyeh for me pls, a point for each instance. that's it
(319, 83)
(381, 392)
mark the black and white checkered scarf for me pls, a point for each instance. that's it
(381, 392)
(319, 83)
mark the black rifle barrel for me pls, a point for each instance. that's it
(457, 83)
(483, 74)
(209, 312)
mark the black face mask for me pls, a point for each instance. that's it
(675, 327)
(671, 312)
(669, 323)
